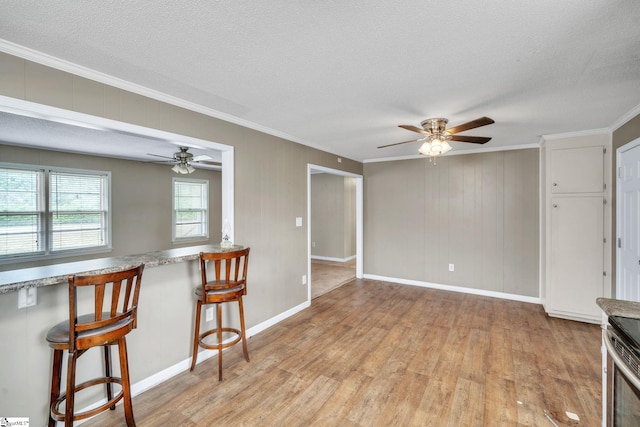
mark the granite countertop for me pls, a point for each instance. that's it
(14, 280)
(618, 307)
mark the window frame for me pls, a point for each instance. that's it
(45, 227)
(174, 210)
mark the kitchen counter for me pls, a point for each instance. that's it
(14, 280)
(618, 307)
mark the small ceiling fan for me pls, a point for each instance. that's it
(183, 160)
(436, 135)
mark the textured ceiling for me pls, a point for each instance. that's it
(341, 75)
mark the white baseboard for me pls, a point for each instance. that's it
(328, 258)
(483, 292)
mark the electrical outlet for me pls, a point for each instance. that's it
(27, 297)
(313, 244)
(208, 313)
(304, 279)
(451, 267)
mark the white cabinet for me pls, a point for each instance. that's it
(577, 254)
(577, 170)
(577, 227)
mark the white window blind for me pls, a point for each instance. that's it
(21, 215)
(45, 211)
(77, 208)
(190, 209)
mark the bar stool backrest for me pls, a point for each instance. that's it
(115, 307)
(229, 270)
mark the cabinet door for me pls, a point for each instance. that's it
(577, 170)
(577, 255)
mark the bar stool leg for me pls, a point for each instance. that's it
(219, 325)
(126, 382)
(196, 336)
(107, 373)
(242, 330)
(70, 392)
(55, 382)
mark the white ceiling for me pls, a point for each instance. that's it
(341, 75)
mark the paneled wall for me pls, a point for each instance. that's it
(479, 212)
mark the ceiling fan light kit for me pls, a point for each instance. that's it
(434, 146)
(183, 168)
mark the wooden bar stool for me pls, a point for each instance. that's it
(229, 284)
(114, 315)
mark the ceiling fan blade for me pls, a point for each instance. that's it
(482, 121)
(398, 143)
(205, 162)
(201, 158)
(472, 139)
(158, 155)
(413, 129)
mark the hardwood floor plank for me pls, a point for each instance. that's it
(529, 390)
(334, 411)
(501, 403)
(467, 407)
(406, 398)
(476, 356)
(500, 362)
(428, 352)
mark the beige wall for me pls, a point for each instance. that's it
(332, 216)
(621, 136)
(270, 192)
(479, 212)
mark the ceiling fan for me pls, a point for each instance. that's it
(183, 160)
(436, 135)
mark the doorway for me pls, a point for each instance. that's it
(628, 222)
(334, 206)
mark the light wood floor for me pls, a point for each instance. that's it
(377, 354)
(328, 275)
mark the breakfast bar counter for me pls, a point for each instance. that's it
(14, 280)
(160, 347)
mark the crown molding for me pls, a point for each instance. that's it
(589, 132)
(624, 119)
(79, 70)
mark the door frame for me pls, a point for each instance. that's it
(359, 219)
(619, 199)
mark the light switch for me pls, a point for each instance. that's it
(299, 221)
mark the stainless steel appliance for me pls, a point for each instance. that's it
(622, 341)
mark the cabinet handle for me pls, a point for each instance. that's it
(555, 206)
(555, 184)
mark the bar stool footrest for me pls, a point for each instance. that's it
(59, 416)
(225, 344)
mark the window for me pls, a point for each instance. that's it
(190, 209)
(46, 211)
